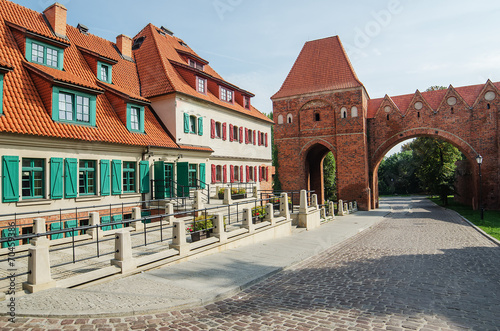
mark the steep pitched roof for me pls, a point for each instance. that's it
(322, 65)
(24, 111)
(159, 61)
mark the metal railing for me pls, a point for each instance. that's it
(170, 189)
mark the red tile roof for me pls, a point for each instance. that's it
(322, 65)
(434, 98)
(158, 58)
(24, 110)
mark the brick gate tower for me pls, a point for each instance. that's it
(320, 108)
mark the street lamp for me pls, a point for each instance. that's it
(479, 160)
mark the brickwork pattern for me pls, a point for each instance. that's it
(422, 268)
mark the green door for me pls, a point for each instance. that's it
(182, 179)
(169, 176)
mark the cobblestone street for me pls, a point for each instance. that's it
(421, 268)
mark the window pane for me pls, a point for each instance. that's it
(65, 106)
(134, 118)
(51, 57)
(37, 53)
(192, 122)
(104, 73)
(82, 109)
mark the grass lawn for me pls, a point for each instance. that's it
(490, 224)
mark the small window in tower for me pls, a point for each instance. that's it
(316, 117)
(343, 112)
(289, 118)
(354, 111)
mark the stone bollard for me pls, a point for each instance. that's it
(219, 230)
(284, 210)
(123, 252)
(39, 277)
(247, 220)
(341, 208)
(179, 238)
(314, 201)
(322, 213)
(350, 207)
(270, 214)
(227, 196)
(94, 220)
(198, 201)
(169, 211)
(303, 201)
(331, 209)
(137, 215)
(355, 206)
(40, 227)
(346, 209)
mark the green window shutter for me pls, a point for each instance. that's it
(10, 178)
(182, 179)
(105, 184)
(69, 225)
(144, 176)
(159, 183)
(186, 123)
(117, 218)
(200, 126)
(6, 233)
(142, 116)
(202, 175)
(70, 178)
(106, 220)
(54, 227)
(116, 177)
(56, 178)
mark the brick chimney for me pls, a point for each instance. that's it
(124, 44)
(56, 16)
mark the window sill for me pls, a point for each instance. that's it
(34, 202)
(130, 195)
(88, 198)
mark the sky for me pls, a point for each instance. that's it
(395, 46)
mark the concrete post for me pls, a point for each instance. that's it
(350, 207)
(136, 215)
(123, 252)
(179, 240)
(247, 220)
(94, 220)
(303, 201)
(198, 201)
(341, 208)
(355, 206)
(284, 210)
(331, 210)
(346, 209)
(39, 227)
(314, 201)
(322, 213)
(255, 192)
(270, 214)
(227, 196)
(39, 277)
(219, 230)
(169, 210)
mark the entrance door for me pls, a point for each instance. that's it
(169, 176)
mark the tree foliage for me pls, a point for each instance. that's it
(276, 180)
(329, 177)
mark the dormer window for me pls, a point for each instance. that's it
(246, 102)
(226, 95)
(42, 53)
(74, 107)
(194, 64)
(201, 85)
(135, 118)
(104, 72)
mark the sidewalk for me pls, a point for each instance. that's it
(194, 282)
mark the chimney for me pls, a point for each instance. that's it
(124, 44)
(56, 16)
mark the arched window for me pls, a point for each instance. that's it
(280, 119)
(289, 118)
(343, 112)
(317, 117)
(354, 111)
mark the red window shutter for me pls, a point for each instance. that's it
(224, 135)
(224, 173)
(241, 174)
(267, 174)
(255, 174)
(258, 137)
(266, 139)
(214, 174)
(212, 129)
(254, 137)
(231, 173)
(248, 174)
(246, 135)
(230, 132)
(241, 134)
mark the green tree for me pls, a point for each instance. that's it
(396, 174)
(435, 88)
(329, 177)
(276, 180)
(436, 165)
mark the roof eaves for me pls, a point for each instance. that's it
(123, 94)
(97, 55)
(56, 41)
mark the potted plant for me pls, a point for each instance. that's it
(201, 228)
(276, 202)
(236, 193)
(258, 214)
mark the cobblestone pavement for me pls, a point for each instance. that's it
(421, 268)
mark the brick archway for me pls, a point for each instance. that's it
(328, 103)
(312, 157)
